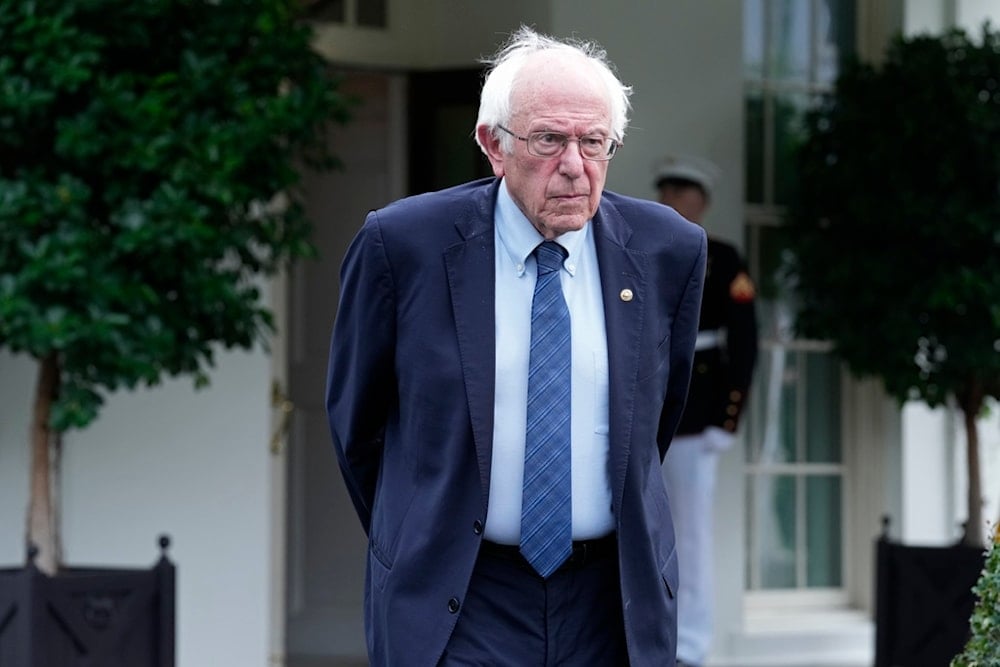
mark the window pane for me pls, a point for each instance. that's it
(835, 34)
(790, 52)
(756, 422)
(753, 39)
(789, 403)
(754, 164)
(822, 409)
(775, 540)
(770, 283)
(773, 415)
(823, 529)
(371, 13)
(789, 112)
(325, 10)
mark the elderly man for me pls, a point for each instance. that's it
(508, 365)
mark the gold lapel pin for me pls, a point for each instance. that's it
(625, 294)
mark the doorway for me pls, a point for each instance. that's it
(325, 551)
(409, 133)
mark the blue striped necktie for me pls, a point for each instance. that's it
(546, 513)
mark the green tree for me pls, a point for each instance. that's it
(895, 227)
(149, 157)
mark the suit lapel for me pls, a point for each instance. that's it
(621, 269)
(471, 280)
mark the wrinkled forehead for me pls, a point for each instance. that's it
(550, 81)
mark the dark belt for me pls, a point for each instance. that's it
(584, 552)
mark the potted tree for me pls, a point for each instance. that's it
(149, 153)
(894, 240)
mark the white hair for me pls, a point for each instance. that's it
(504, 66)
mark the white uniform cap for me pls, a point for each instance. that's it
(689, 168)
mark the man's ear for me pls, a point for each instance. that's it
(492, 147)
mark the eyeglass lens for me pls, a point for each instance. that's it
(549, 144)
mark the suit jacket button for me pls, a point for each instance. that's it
(453, 605)
(477, 526)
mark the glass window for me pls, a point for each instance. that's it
(835, 39)
(789, 49)
(331, 11)
(823, 409)
(823, 531)
(364, 13)
(789, 110)
(753, 39)
(371, 13)
(755, 140)
(774, 506)
(795, 473)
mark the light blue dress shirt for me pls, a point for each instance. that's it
(516, 272)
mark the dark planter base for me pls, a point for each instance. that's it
(923, 602)
(88, 617)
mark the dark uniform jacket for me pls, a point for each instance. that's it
(721, 375)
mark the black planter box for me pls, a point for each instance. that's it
(89, 617)
(923, 602)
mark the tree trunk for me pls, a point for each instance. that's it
(43, 531)
(971, 405)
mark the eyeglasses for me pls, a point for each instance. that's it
(550, 144)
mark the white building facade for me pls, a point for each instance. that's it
(242, 475)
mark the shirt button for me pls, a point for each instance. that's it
(453, 605)
(477, 526)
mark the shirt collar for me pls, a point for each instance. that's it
(519, 237)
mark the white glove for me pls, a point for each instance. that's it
(718, 440)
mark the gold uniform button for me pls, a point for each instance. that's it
(730, 425)
(732, 410)
(626, 295)
(735, 395)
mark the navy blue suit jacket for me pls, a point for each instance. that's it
(410, 392)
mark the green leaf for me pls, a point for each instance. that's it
(137, 140)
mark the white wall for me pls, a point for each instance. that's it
(935, 472)
(17, 384)
(169, 460)
(935, 16)
(928, 514)
(989, 467)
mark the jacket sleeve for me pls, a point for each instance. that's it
(741, 349)
(360, 388)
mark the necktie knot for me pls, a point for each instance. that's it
(550, 256)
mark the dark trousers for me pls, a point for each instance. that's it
(511, 617)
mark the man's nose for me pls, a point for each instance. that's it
(571, 160)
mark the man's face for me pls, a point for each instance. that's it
(688, 200)
(554, 93)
